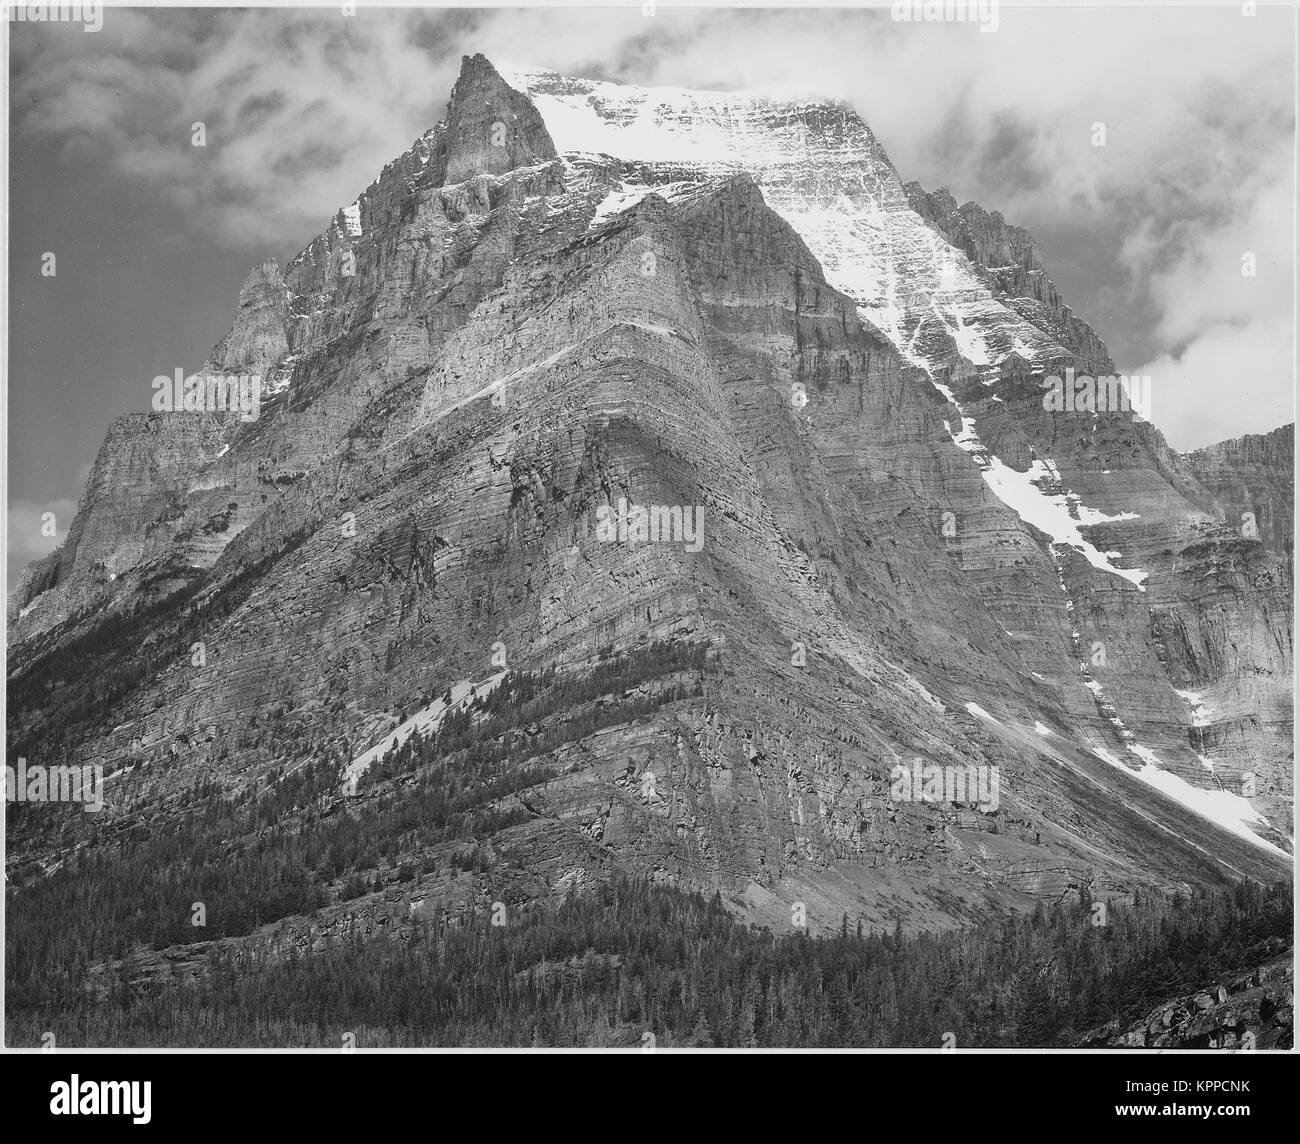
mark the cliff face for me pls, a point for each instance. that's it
(259, 339)
(1008, 260)
(730, 307)
(126, 524)
(1253, 474)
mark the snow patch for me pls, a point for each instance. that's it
(1200, 713)
(629, 194)
(1230, 811)
(1060, 515)
(427, 720)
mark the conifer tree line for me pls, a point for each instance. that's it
(628, 958)
(294, 845)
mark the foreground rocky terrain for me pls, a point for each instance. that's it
(569, 294)
(1250, 1011)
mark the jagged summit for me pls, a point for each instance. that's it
(491, 128)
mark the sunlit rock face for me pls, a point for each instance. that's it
(573, 301)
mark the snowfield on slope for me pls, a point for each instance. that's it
(1230, 811)
(819, 167)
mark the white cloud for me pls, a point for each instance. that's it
(1197, 166)
(301, 109)
(1231, 380)
(1228, 368)
(1206, 284)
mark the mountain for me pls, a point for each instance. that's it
(383, 652)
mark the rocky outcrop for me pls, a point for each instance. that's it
(1245, 1012)
(258, 340)
(1010, 262)
(1252, 480)
(121, 541)
(491, 128)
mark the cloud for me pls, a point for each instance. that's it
(26, 523)
(300, 109)
(1218, 273)
(1231, 380)
(1231, 269)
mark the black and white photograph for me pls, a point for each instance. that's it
(650, 527)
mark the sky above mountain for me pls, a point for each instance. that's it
(1145, 236)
